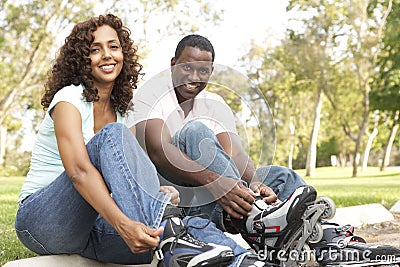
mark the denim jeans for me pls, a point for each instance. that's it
(202, 146)
(57, 220)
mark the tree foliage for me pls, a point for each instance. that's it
(386, 93)
(31, 32)
(330, 47)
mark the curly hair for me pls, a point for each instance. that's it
(72, 65)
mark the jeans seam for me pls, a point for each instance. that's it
(33, 239)
(125, 171)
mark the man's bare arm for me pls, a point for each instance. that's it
(154, 137)
(232, 145)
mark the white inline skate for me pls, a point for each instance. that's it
(280, 232)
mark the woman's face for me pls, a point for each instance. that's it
(106, 56)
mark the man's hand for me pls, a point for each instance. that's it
(266, 192)
(235, 198)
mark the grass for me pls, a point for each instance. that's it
(371, 186)
(10, 247)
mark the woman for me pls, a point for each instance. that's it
(90, 189)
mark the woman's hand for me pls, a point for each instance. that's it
(139, 237)
(174, 193)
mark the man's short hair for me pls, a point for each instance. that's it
(194, 40)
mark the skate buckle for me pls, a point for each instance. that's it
(159, 254)
(259, 227)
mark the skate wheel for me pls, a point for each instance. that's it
(330, 208)
(316, 234)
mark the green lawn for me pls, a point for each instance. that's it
(372, 186)
(10, 247)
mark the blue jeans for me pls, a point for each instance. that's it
(200, 144)
(57, 220)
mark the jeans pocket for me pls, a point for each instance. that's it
(31, 243)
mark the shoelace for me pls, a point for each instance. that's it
(185, 232)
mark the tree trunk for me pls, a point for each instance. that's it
(3, 141)
(291, 148)
(290, 160)
(371, 138)
(365, 72)
(389, 144)
(312, 148)
(363, 127)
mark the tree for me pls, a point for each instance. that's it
(329, 53)
(30, 32)
(27, 33)
(367, 21)
(313, 42)
(271, 70)
(386, 95)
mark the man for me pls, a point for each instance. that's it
(190, 136)
(162, 107)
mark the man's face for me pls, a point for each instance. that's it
(191, 72)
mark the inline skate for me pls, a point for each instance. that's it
(280, 232)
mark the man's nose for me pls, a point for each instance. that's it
(194, 76)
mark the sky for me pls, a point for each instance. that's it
(242, 22)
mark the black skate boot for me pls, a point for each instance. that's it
(340, 247)
(178, 248)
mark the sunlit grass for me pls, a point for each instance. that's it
(10, 247)
(371, 186)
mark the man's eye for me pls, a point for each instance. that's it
(186, 67)
(205, 71)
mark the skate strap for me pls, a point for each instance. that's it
(172, 211)
(347, 229)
